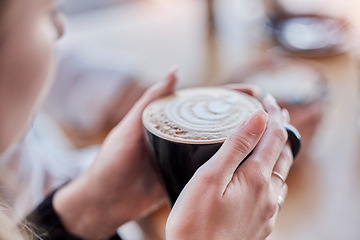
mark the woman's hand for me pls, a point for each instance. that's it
(223, 201)
(121, 185)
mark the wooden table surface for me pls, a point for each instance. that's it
(324, 196)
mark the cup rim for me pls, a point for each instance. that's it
(190, 141)
(221, 139)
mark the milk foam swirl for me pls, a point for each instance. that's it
(199, 115)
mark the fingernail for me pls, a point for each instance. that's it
(174, 68)
(172, 74)
(256, 122)
(270, 99)
(285, 114)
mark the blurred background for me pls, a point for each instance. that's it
(306, 53)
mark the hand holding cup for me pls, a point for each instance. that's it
(225, 201)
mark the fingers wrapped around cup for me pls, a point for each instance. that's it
(187, 128)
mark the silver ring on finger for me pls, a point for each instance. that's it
(279, 176)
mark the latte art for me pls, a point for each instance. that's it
(199, 115)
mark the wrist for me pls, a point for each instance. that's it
(45, 221)
(79, 213)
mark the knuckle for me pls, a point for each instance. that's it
(258, 177)
(288, 155)
(241, 144)
(270, 208)
(206, 176)
(268, 229)
(280, 132)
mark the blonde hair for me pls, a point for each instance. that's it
(9, 230)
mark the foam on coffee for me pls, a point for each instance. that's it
(199, 115)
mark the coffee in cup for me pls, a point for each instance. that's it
(186, 129)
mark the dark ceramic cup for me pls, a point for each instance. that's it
(187, 128)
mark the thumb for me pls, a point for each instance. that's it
(238, 145)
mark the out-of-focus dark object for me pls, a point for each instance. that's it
(309, 35)
(297, 85)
